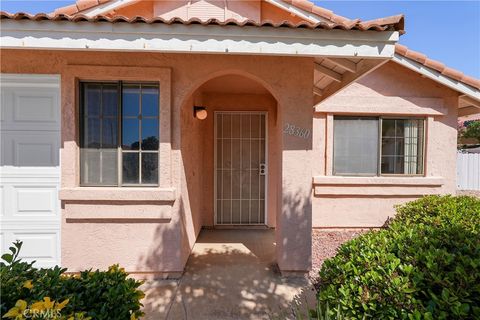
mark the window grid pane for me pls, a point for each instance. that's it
(402, 146)
(99, 140)
(108, 120)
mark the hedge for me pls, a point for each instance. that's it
(425, 264)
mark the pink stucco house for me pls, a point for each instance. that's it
(129, 125)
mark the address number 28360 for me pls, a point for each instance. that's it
(293, 130)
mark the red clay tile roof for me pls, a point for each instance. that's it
(306, 5)
(355, 25)
(78, 6)
(389, 23)
(436, 65)
(395, 22)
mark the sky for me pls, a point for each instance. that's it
(448, 31)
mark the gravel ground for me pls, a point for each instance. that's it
(325, 244)
(468, 193)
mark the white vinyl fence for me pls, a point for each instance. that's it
(468, 171)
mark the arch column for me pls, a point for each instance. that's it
(294, 217)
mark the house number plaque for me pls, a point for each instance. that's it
(295, 131)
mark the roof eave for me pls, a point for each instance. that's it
(437, 76)
(196, 38)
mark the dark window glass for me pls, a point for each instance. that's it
(93, 100)
(109, 133)
(150, 134)
(92, 134)
(131, 100)
(131, 172)
(110, 100)
(150, 168)
(130, 134)
(150, 101)
(104, 116)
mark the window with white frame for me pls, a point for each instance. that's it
(370, 146)
(119, 134)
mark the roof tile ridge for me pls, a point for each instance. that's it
(437, 66)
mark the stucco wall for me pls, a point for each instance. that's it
(390, 90)
(192, 138)
(152, 231)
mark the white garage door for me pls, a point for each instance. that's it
(29, 171)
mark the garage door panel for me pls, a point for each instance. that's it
(30, 172)
(35, 106)
(43, 247)
(36, 201)
(2, 242)
(30, 195)
(30, 148)
(2, 203)
(30, 108)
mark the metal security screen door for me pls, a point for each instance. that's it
(240, 168)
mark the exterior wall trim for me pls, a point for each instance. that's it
(376, 186)
(411, 106)
(70, 152)
(378, 181)
(103, 212)
(374, 191)
(117, 194)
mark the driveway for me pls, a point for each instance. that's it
(230, 275)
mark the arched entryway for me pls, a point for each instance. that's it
(231, 158)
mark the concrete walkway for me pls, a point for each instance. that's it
(230, 275)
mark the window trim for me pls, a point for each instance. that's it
(120, 151)
(380, 119)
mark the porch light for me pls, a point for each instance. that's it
(200, 112)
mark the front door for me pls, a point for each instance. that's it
(240, 168)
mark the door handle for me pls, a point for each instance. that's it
(263, 169)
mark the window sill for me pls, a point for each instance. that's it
(117, 194)
(376, 186)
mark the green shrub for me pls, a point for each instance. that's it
(96, 294)
(425, 264)
(319, 314)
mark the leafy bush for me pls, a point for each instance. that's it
(45, 309)
(472, 130)
(90, 294)
(425, 264)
